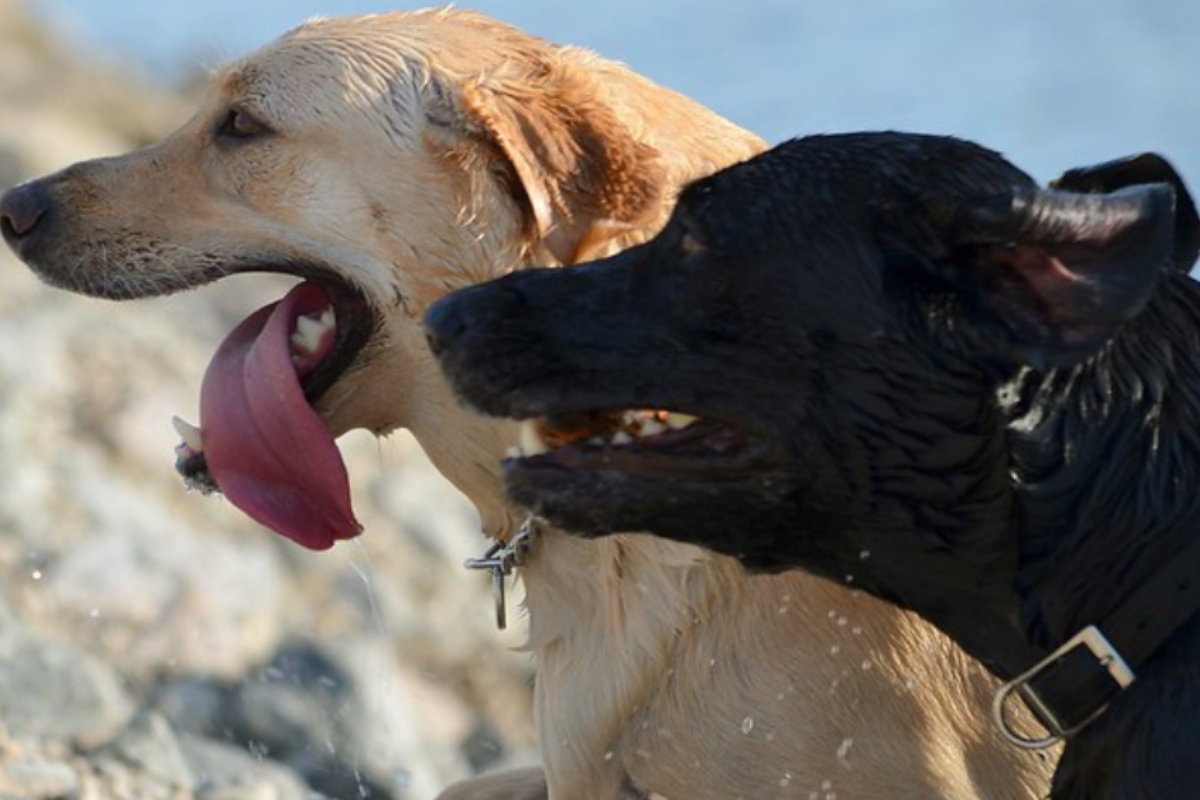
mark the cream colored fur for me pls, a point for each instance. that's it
(421, 152)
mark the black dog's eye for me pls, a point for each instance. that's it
(240, 124)
(692, 245)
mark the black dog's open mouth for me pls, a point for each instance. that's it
(654, 444)
(260, 441)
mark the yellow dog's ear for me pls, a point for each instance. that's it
(585, 176)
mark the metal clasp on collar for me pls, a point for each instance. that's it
(500, 560)
(1108, 657)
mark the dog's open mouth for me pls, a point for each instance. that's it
(260, 441)
(640, 443)
(602, 471)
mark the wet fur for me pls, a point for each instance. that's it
(869, 306)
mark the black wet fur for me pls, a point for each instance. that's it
(971, 396)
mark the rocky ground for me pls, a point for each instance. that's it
(156, 644)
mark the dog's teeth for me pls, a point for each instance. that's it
(531, 440)
(651, 427)
(307, 336)
(513, 452)
(189, 433)
(675, 420)
(621, 437)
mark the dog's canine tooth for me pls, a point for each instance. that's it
(513, 452)
(531, 439)
(307, 336)
(676, 420)
(621, 437)
(189, 433)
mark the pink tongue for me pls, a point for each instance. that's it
(270, 453)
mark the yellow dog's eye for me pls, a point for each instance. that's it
(239, 124)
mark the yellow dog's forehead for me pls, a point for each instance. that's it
(457, 43)
(370, 62)
(294, 83)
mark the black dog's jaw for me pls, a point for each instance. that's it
(840, 313)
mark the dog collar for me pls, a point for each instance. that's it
(1074, 685)
(500, 560)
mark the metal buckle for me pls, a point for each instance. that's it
(500, 560)
(1107, 656)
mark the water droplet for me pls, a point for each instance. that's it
(856, 630)
(783, 609)
(842, 622)
(866, 665)
(786, 779)
(833, 651)
(608, 756)
(844, 748)
(910, 684)
(863, 555)
(849, 579)
(93, 612)
(826, 785)
(37, 575)
(747, 725)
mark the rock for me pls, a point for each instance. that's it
(344, 715)
(54, 690)
(148, 746)
(224, 772)
(200, 605)
(37, 778)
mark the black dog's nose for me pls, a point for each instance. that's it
(449, 319)
(445, 321)
(21, 209)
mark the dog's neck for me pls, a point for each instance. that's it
(1105, 457)
(1105, 461)
(939, 533)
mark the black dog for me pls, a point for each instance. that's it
(898, 350)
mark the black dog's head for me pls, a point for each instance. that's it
(804, 362)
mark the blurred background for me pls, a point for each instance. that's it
(154, 644)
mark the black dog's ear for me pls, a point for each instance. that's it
(1141, 169)
(1060, 272)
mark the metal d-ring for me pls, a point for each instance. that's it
(501, 560)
